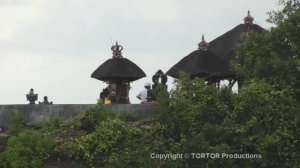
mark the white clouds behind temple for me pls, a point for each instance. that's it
(54, 46)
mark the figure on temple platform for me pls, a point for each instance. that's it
(31, 97)
(45, 101)
(146, 94)
(113, 97)
(104, 94)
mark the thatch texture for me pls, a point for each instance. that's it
(118, 70)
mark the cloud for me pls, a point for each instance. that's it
(156, 10)
(13, 15)
(54, 46)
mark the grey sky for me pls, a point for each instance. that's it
(53, 46)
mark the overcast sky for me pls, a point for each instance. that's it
(53, 46)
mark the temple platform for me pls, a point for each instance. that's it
(37, 113)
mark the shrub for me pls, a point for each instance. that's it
(16, 123)
(100, 147)
(94, 115)
(28, 149)
(266, 121)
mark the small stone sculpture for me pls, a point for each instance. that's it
(159, 78)
(31, 97)
(45, 101)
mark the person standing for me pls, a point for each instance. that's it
(143, 95)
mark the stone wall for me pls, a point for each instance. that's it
(37, 113)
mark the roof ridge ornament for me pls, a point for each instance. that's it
(248, 19)
(117, 50)
(203, 45)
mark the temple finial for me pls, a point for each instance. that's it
(117, 50)
(203, 45)
(248, 19)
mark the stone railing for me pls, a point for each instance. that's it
(36, 113)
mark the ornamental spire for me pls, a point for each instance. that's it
(117, 50)
(203, 45)
(248, 19)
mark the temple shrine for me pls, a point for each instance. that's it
(212, 60)
(118, 72)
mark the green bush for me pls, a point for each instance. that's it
(100, 147)
(266, 121)
(192, 104)
(94, 115)
(28, 149)
(99, 113)
(16, 124)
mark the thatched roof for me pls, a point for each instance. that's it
(212, 61)
(199, 63)
(225, 45)
(118, 69)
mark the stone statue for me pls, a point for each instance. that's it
(45, 101)
(31, 97)
(159, 78)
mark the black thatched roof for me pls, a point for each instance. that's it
(225, 45)
(118, 69)
(200, 63)
(212, 62)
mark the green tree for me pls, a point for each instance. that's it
(193, 116)
(274, 56)
(289, 8)
(266, 111)
(266, 121)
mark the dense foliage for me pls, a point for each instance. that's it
(28, 149)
